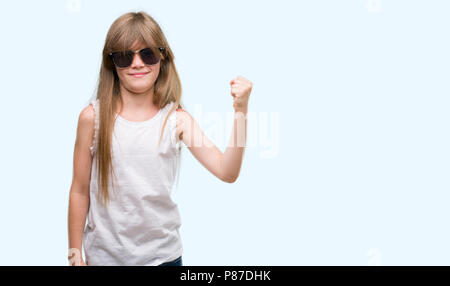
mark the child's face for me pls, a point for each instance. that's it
(138, 83)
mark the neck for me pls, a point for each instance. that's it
(136, 102)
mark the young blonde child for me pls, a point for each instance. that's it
(127, 148)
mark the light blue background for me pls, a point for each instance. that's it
(363, 101)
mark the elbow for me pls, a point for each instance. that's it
(230, 179)
(227, 175)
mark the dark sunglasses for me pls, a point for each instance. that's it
(125, 59)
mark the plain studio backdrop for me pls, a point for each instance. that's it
(349, 159)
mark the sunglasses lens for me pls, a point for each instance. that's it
(125, 59)
(122, 59)
(148, 57)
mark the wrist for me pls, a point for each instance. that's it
(74, 257)
(243, 109)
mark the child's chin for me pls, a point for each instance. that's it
(140, 88)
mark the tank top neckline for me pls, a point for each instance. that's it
(145, 122)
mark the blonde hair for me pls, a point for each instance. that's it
(128, 28)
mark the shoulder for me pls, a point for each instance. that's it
(184, 119)
(184, 122)
(183, 114)
(87, 115)
(86, 120)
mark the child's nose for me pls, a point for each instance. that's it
(137, 61)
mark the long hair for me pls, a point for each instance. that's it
(128, 28)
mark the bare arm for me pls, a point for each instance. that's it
(201, 147)
(79, 190)
(226, 166)
(232, 158)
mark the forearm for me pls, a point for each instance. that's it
(233, 155)
(78, 208)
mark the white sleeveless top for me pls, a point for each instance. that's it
(141, 224)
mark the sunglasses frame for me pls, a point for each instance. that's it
(161, 49)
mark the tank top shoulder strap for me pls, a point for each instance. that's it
(95, 104)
